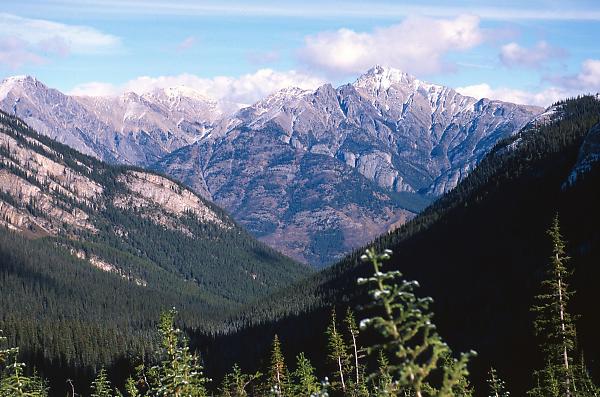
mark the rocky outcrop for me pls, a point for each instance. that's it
(42, 193)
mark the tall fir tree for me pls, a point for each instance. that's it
(278, 380)
(554, 324)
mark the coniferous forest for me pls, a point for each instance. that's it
(515, 285)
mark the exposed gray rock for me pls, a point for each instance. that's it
(279, 164)
(128, 129)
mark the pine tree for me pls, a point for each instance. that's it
(338, 351)
(496, 385)
(101, 385)
(13, 382)
(180, 373)
(236, 382)
(383, 382)
(405, 323)
(553, 323)
(585, 385)
(306, 383)
(277, 371)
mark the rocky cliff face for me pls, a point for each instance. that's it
(316, 174)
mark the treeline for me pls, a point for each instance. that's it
(395, 350)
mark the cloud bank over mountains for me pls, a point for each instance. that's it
(245, 89)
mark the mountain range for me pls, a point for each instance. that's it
(314, 174)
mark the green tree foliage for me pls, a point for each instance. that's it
(409, 336)
(305, 382)
(13, 381)
(554, 324)
(179, 374)
(497, 388)
(278, 375)
(338, 353)
(236, 383)
(357, 384)
(555, 327)
(101, 385)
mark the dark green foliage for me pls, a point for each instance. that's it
(69, 317)
(409, 337)
(179, 373)
(305, 383)
(554, 324)
(278, 382)
(101, 385)
(237, 384)
(555, 327)
(338, 354)
(13, 381)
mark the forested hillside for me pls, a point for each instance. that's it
(480, 251)
(90, 254)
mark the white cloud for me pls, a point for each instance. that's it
(588, 77)
(244, 89)
(586, 81)
(512, 54)
(29, 41)
(544, 97)
(417, 45)
(79, 39)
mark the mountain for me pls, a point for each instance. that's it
(316, 174)
(480, 251)
(91, 253)
(127, 129)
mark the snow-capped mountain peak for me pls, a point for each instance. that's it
(382, 78)
(13, 83)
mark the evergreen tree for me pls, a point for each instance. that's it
(405, 323)
(13, 382)
(496, 385)
(277, 371)
(235, 384)
(553, 323)
(179, 374)
(338, 351)
(383, 382)
(101, 385)
(306, 383)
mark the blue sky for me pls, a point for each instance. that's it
(529, 52)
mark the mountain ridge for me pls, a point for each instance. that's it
(399, 140)
(410, 140)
